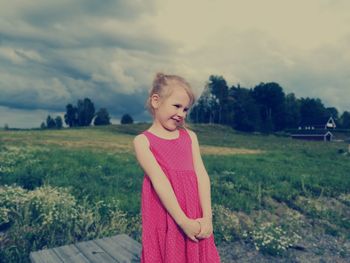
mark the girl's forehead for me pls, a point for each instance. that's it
(180, 95)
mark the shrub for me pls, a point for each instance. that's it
(226, 223)
(51, 216)
(272, 239)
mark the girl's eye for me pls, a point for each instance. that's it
(178, 106)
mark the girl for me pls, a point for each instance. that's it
(175, 201)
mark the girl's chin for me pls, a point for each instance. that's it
(173, 125)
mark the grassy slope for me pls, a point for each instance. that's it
(99, 162)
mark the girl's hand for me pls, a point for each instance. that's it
(206, 227)
(191, 228)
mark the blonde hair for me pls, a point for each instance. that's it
(163, 85)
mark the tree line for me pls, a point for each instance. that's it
(264, 108)
(83, 114)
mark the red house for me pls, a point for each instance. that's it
(318, 131)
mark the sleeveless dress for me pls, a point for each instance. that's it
(163, 241)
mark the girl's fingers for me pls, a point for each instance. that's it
(194, 239)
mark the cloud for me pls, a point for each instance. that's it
(19, 118)
(54, 53)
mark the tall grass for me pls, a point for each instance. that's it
(98, 165)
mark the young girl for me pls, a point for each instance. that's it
(176, 201)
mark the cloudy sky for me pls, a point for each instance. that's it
(55, 52)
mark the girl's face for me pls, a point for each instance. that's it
(172, 111)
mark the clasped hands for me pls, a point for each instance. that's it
(199, 228)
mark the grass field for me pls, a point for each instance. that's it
(254, 178)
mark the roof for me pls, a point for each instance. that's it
(311, 132)
(322, 121)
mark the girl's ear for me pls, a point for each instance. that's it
(155, 101)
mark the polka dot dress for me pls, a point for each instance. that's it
(163, 241)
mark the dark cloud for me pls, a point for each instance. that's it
(54, 53)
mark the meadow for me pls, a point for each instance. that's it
(64, 186)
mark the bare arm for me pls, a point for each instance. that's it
(203, 177)
(159, 180)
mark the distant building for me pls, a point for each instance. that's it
(319, 131)
(315, 135)
(324, 123)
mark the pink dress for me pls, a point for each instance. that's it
(163, 241)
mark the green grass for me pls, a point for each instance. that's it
(85, 160)
(98, 163)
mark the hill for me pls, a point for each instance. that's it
(262, 185)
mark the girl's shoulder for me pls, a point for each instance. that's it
(141, 139)
(191, 133)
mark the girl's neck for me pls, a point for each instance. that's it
(158, 129)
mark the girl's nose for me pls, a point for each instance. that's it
(181, 113)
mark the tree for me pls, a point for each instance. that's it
(345, 120)
(71, 116)
(43, 125)
(126, 119)
(50, 123)
(292, 111)
(102, 117)
(245, 111)
(86, 112)
(218, 88)
(332, 112)
(312, 110)
(271, 101)
(203, 110)
(58, 121)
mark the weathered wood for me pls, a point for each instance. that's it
(128, 243)
(45, 256)
(115, 250)
(120, 249)
(70, 254)
(93, 252)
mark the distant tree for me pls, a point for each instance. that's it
(6, 127)
(126, 119)
(332, 112)
(246, 115)
(59, 122)
(345, 120)
(270, 99)
(202, 111)
(43, 125)
(218, 88)
(311, 110)
(229, 110)
(102, 117)
(71, 116)
(86, 112)
(292, 111)
(50, 123)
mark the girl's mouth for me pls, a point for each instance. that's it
(177, 121)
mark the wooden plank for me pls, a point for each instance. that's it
(129, 244)
(93, 252)
(115, 249)
(45, 256)
(120, 248)
(70, 254)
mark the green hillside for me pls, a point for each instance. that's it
(259, 182)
